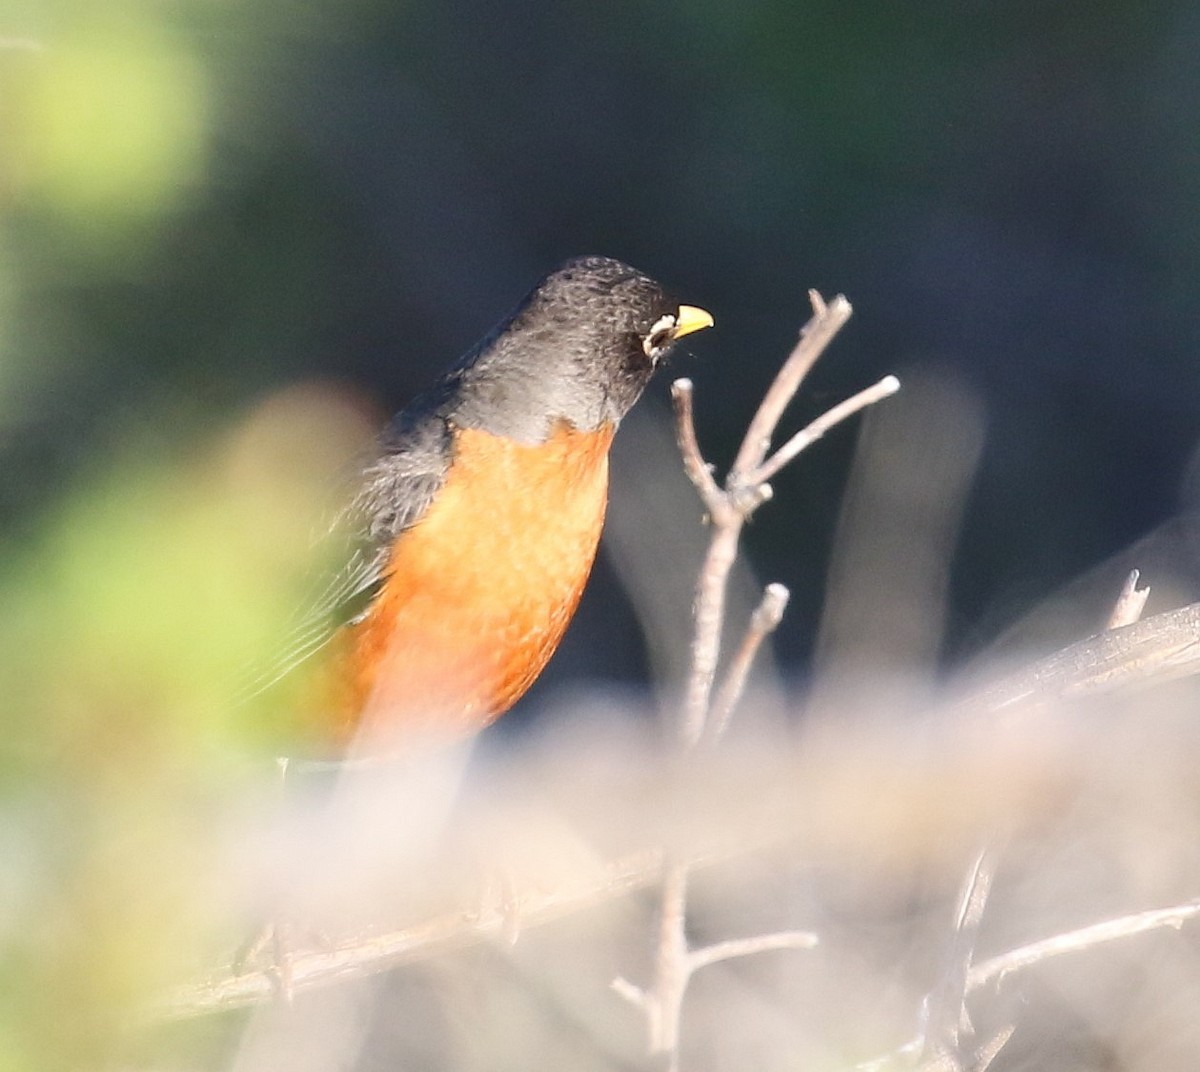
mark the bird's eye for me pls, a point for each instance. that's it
(660, 335)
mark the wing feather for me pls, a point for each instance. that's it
(396, 490)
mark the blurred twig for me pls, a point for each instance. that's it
(663, 1004)
(453, 930)
(1156, 649)
(948, 1014)
(1150, 651)
(947, 1018)
(996, 968)
(1130, 603)
(1166, 645)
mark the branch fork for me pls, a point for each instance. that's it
(662, 1004)
(746, 487)
(705, 716)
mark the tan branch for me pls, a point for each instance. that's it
(763, 622)
(747, 947)
(730, 506)
(454, 930)
(807, 436)
(1130, 603)
(1160, 648)
(1077, 941)
(697, 469)
(827, 320)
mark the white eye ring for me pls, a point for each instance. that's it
(659, 334)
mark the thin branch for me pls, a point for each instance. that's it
(763, 622)
(1130, 603)
(675, 964)
(663, 1002)
(1159, 648)
(991, 1049)
(996, 969)
(709, 618)
(671, 964)
(747, 947)
(806, 437)
(947, 1005)
(826, 322)
(631, 992)
(1078, 941)
(697, 469)
(729, 507)
(453, 930)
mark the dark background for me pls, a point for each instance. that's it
(208, 202)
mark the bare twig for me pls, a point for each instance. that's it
(827, 320)
(663, 1003)
(716, 953)
(670, 970)
(675, 964)
(722, 551)
(379, 953)
(764, 621)
(744, 490)
(709, 617)
(1130, 603)
(996, 969)
(807, 436)
(697, 469)
(729, 507)
(947, 1008)
(991, 1049)
(1077, 941)
(747, 947)
(1160, 648)
(631, 992)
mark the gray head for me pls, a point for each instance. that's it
(580, 348)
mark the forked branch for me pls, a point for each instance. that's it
(729, 506)
(746, 488)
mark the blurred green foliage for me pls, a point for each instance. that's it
(135, 613)
(114, 124)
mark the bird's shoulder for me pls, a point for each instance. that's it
(394, 491)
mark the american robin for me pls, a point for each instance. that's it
(476, 526)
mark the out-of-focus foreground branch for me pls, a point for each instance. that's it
(1158, 648)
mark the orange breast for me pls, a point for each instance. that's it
(481, 589)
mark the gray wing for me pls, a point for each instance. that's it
(395, 492)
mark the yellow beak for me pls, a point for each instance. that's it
(691, 318)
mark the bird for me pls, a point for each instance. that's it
(473, 528)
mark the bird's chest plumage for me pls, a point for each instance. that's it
(480, 590)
